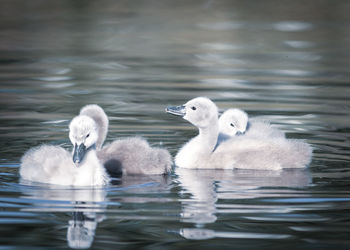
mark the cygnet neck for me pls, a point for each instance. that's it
(209, 135)
(99, 116)
(90, 156)
(90, 171)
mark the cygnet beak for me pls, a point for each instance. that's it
(78, 153)
(176, 110)
(240, 133)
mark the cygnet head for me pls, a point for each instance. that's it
(83, 134)
(233, 122)
(200, 111)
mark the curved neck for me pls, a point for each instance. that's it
(209, 135)
(102, 133)
(100, 118)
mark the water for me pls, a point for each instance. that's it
(287, 61)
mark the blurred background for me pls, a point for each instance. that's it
(287, 60)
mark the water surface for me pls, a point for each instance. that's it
(286, 61)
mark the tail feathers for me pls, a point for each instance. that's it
(300, 154)
(162, 161)
(275, 155)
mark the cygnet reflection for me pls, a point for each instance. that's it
(203, 189)
(81, 229)
(199, 208)
(86, 205)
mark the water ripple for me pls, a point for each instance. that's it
(292, 26)
(203, 234)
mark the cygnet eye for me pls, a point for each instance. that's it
(193, 108)
(232, 125)
(87, 135)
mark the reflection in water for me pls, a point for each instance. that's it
(86, 205)
(81, 229)
(200, 208)
(204, 234)
(206, 187)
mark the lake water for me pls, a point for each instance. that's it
(287, 61)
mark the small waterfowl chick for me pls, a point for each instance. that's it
(233, 121)
(236, 122)
(128, 156)
(244, 152)
(55, 165)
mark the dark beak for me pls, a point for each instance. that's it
(240, 133)
(176, 110)
(78, 153)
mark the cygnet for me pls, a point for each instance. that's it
(236, 122)
(55, 165)
(245, 152)
(128, 156)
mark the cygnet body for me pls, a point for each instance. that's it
(236, 122)
(129, 156)
(54, 165)
(244, 152)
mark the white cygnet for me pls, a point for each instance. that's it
(245, 152)
(128, 156)
(232, 122)
(235, 122)
(55, 165)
